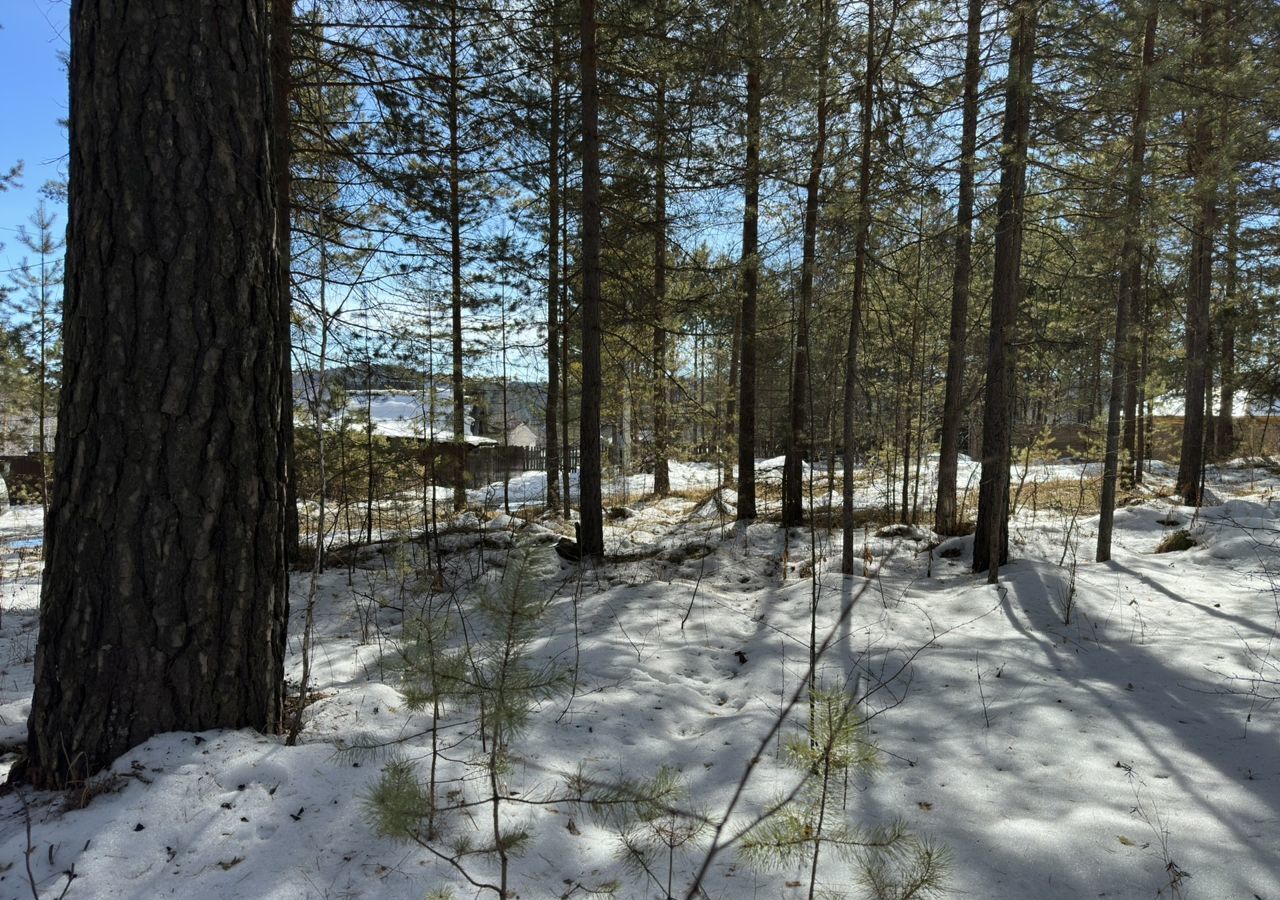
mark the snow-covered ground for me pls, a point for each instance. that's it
(1099, 753)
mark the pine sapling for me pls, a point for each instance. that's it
(891, 862)
(652, 820)
(492, 675)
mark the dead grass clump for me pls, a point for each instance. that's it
(830, 518)
(1062, 494)
(697, 495)
(768, 490)
(1176, 541)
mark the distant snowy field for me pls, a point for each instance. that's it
(1057, 761)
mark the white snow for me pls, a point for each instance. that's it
(1057, 760)
(530, 488)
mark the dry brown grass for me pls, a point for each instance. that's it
(1069, 495)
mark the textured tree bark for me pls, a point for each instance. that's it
(553, 272)
(1130, 281)
(798, 436)
(164, 589)
(750, 277)
(991, 538)
(953, 403)
(592, 534)
(869, 78)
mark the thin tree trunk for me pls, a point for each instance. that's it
(1227, 334)
(1130, 281)
(859, 290)
(991, 539)
(163, 600)
(1142, 420)
(281, 85)
(592, 542)
(750, 277)
(921, 400)
(455, 264)
(945, 518)
(1200, 285)
(506, 416)
(624, 431)
(1192, 455)
(317, 556)
(1132, 409)
(798, 437)
(1210, 366)
(661, 475)
(1221, 437)
(370, 473)
(566, 458)
(553, 274)
(432, 456)
(908, 392)
(1095, 381)
(729, 413)
(42, 387)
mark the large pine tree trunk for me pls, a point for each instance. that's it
(164, 589)
(859, 289)
(798, 436)
(991, 538)
(553, 275)
(945, 517)
(750, 277)
(592, 544)
(1130, 280)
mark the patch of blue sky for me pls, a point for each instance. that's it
(33, 103)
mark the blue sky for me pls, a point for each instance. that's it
(33, 98)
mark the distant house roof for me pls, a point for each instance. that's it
(521, 435)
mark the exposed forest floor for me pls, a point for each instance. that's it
(1081, 730)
